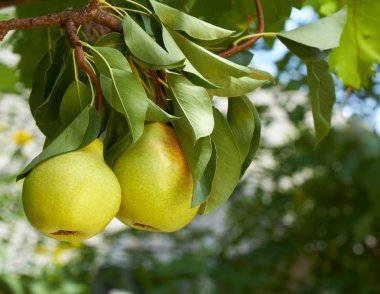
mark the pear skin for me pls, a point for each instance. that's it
(156, 182)
(72, 196)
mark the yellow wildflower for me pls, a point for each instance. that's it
(22, 137)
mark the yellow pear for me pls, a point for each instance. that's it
(156, 182)
(72, 196)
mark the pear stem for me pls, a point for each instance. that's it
(157, 86)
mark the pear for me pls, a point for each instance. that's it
(156, 182)
(72, 196)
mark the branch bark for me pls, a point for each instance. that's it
(235, 49)
(78, 16)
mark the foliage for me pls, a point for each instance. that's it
(359, 43)
(168, 57)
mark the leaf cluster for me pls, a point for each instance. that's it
(157, 70)
(165, 67)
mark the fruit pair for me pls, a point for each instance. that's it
(73, 196)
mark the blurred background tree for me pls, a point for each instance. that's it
(304, 220)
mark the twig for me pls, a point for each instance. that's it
(163, 78)
(157, 86)
(260, 29)
(109, 21)
(246, 37)
(136, 72)
(82, 62)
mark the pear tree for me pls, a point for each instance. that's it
(141, 76)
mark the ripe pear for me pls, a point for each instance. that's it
(72, 196)
(156, 182)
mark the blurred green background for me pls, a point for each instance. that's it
(303, 220)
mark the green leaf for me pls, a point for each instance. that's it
(200, 157)
(145, 49)
(241, 120)
(155, 113)
(207, 63)
(125, 94)
(203, 186)
(116, 128)
(112, 40)
(82, 131)
(314, 41)
(322, 96)
(277, 12)
(77, 96)
(256, 138)
(121, 88)
(108, 58)
(323, 34)
(183, 5)
(32, 45)
(233, 87)
(47, 115)
(360, 44)
(242, 58)
(40, 82)
(118, 148)
(306, 53)
(197, 155)
(47, 73)
(193, 104)
(189, 70)
(231, 14)
(232, 79)
(227, 173)
(192, 26)
(60, 75)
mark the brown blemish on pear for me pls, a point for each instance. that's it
(65, 233)
(145, 227)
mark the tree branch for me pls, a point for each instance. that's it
(260, 29)
(82, 62)
(70, 20)
(78, 16)
(107, 20)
